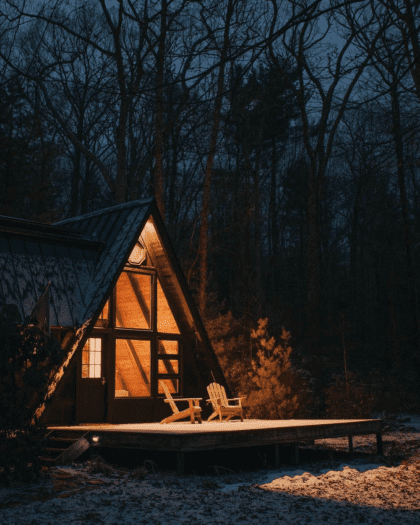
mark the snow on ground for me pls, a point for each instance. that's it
(366, 489)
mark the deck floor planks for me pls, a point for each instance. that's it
(213, 435)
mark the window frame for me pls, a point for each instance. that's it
(153, 306)
(171, 357)
(95, 334)
(148, 339)
(151, 335)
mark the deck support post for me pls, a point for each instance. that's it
(351, 444)
(379, 444)
(297, 453)
(180, 463)
(276, 455)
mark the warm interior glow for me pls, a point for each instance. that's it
(138, 255)
(165, 320)
(91, 358)
(167, 351)
(132, 368)
(168, 347)
(103, 318)
(134, 301)
(172, 384)
(168, 366)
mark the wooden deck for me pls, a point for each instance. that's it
(185, 437)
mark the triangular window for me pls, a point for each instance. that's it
(165, 320)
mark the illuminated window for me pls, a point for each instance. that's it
(138, 255)
(168, 365)
(132, 368)
(172, 384)
(141, 304)
(134, 292)
(103, 318)
(91, 358)
(167, 347)
(165, 319)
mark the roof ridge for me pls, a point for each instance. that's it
(105, 210)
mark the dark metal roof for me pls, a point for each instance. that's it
(79, 256)
(12, 227)
(118, 228)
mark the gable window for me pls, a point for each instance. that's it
(134, 294)
(103, 319)
(147, 337)
(165, 319)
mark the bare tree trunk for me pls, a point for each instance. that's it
(273, 226)
(412, 311)
(257, 225)
(75, 181)
(312, 260)
(205, 212)
(120, 142)
(159, 122)
(409, 32)
(74, 200)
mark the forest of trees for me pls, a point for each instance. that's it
(280, 140)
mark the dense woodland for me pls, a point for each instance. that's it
(281, 142)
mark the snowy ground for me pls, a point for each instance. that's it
(331, 490)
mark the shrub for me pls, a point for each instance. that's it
(349, 398)
(260, 369)
(231, 343)
(269, 387)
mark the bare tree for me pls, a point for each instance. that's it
(328, 74)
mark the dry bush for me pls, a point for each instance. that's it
(259, 369)
(269, 386)
(349, 398)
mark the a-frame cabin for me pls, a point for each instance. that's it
(121, 307)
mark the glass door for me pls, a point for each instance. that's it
(91, 384)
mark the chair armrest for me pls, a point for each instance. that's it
(187, 398)
(238, 399)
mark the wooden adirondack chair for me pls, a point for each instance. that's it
(221, 404)
(193, 411)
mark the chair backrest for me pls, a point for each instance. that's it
(216, 392)
(169, 397)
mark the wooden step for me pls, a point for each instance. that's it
(67, 440)
(68, 434)
(53, 449)
(74, 443)
(47, 460)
